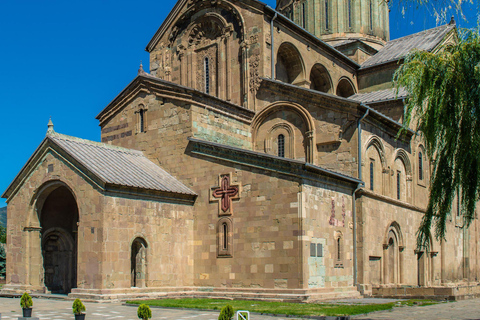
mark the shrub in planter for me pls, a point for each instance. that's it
(226, 313)
(78, 309)
(144, 312)
(26, 303)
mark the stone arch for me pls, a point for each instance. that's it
(289, 67)
(345, 88)
(393, 247)
(403, 155)
(377, 143)
(138, 262)
(300, 112)
(320, 79)
(53, 237)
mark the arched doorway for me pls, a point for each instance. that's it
(393, 255)
(58, 219)
(139, 263)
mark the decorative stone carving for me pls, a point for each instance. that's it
(224, 194)
(254, 73)
(204, 32)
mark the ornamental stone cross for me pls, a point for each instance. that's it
(225, 194)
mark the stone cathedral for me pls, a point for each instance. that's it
(259, 157)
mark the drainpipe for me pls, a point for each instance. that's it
(360, 185)
(271, 42)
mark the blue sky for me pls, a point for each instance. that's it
(69, 59)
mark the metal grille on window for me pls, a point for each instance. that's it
(281, 145)
(207, 75)
(371, 175)
(420, 166)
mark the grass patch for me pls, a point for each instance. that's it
(288, 308)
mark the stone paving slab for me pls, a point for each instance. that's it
(49, 309)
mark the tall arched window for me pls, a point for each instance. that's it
(281, 145)
(370, 14)
(371, 175)
(206, 64)
(420, 166)
(339, 248)
(398, 184)
(349, 13)
(327, 22)
(304, 15)
(225, 236)
(142, 120)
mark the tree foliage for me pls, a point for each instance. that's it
(444, 101)
(3, 234)
(3, 261)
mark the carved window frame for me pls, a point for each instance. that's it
(339, 249)
(224, 238)
(141, 119)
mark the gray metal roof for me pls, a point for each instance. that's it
(397, 49)
(379, 96)
(119, 166)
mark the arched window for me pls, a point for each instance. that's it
(206, 64)
(339, 248)
(420, 166)
(327, 22)
(399, 175)
(371, 175)
(224, 238)
(349, 13)
(370, 19)
(141, 114)
(281, 145)
(142, 120)
(304, 15)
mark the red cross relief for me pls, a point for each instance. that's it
(225, 192)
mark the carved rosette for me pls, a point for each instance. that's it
(254, 63)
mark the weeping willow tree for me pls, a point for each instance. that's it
(444, 104)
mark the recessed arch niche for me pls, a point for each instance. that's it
(289, 67)
(320, 79)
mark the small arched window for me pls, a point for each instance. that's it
(281, 145)
(206, 64)
(371, 175)
(420, 166)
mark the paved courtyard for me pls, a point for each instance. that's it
(49, 309)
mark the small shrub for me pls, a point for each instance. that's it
(144, 312)
(226, 313)
(78, 307)
(26, 301)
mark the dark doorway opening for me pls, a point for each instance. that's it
(59, 219)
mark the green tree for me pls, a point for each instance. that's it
(3, 260)
(444, 104)
(3, 234)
